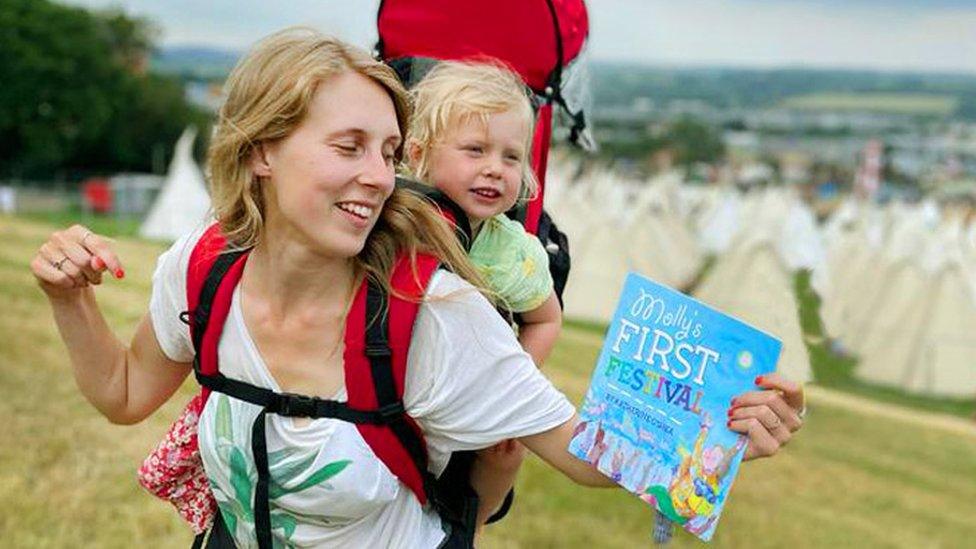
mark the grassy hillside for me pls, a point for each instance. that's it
(67, 477)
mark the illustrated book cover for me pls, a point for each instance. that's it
(654, 418)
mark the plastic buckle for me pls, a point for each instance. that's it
(379, 350)
(293, 405)
(391, 411)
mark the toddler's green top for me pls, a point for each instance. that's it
(513, 262)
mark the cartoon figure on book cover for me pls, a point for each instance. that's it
(694, 489)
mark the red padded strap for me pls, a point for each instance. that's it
(359, 380)
(205, 253)
(540, 156)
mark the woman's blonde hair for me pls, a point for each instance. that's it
(267, 96)
(456, 90)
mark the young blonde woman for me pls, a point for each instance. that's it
(302, 175)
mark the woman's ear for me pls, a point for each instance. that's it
(259, 162)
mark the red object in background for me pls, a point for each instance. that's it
(97, 195)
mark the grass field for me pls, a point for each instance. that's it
(895, 103)
(67, 477)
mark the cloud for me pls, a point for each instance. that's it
(236, 24)
(884, 35)
(891, 34)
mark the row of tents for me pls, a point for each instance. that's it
(897, 284)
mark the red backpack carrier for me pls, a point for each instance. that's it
(377, 338)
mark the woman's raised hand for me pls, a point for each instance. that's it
(769, 416)
(72, 259)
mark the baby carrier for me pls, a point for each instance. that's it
(538, 39)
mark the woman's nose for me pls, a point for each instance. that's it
(378, 172)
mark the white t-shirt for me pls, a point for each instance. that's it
(468, 385)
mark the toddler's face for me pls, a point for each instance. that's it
(479, 166)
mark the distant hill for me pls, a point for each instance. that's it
(197, 62)
(620, 84)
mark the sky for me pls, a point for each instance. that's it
(912, 35)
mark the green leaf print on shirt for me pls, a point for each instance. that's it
(284, 468)
(223, 427)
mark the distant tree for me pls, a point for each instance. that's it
(131, 39)
(55, 71)
(695, 141)
(73, 96)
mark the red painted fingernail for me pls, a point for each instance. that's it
(730, 412)
(119, 273)
(99, 264)
(759, 380)
(729, 423)
(733, 402)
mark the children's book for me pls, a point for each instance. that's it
(654, 418)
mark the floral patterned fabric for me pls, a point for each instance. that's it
(174, 471)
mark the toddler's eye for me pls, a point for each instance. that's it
(474, 149)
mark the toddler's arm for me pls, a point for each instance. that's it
(493, 475)
(540, 329)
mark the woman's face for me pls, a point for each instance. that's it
(327, 180)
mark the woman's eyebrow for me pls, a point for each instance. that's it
(347, 132)
(359, 133)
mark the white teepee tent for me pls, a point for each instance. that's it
(922, 337)
(183, 203)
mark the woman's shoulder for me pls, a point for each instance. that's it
(178, 254)
(447, 290)
(454, 311)
(168, 298)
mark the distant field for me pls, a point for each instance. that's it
(907, 103)
(67, 477)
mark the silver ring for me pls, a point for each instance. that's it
(775, 423)
(57, 264)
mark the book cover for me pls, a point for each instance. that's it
(654, 418)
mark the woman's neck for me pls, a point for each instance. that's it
(289, 276)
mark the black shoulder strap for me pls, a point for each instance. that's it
(462, 227)
(201, 315)
(381, 366)
(453, 504)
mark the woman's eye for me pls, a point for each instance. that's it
(347, 148)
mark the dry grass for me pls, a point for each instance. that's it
(67, 477)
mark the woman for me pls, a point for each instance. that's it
(302, 174)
